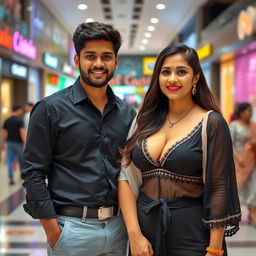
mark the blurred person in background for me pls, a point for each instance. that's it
(181, 209)
(233, 116)
(28, 108)
(243, 132)
(14, 137)
(73, 141)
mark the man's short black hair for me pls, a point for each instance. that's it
(15, 107)
(96, 31)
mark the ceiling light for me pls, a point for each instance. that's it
(82, 7)
(147, 35)
(151, 28)
(89, 20)
(142, 47)
(154, 20)
(160, 6)
(144, 41)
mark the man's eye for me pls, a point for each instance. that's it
(107, 57)
(89, 57)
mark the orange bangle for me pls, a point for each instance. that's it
(214, 251)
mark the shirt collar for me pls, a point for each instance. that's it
(80, 94)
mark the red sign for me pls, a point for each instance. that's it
(6, 38)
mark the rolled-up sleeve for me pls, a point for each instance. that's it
(221, 203)
(37, 162)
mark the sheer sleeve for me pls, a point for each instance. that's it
(221, 203)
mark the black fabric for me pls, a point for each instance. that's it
(174, 227)
(76, 148)
(13, 125)
(173, 175)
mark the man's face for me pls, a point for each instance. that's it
(97, 63)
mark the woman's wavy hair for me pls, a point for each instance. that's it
(154, 109)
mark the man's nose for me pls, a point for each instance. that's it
(98, 62)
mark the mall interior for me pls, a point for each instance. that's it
(37, 60)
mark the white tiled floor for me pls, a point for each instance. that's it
(20, 235)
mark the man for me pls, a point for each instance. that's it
(28, 108)
(14, 136)
(74, 140)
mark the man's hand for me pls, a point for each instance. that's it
(53, 237)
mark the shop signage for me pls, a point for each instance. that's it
(246, 23)
(204, 51)
(19, 70)
(148, 65)
(69, 70)
(17, 43)
(130, 80)
(50, 60)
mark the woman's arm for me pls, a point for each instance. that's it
(216, 240)
(138, 243)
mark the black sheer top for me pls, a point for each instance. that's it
(179, 173)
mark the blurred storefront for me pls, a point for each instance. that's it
(132, 78)
(28, 33)
(230, 56)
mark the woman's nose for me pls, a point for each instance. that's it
(172, 78)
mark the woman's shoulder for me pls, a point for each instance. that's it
(216, 120)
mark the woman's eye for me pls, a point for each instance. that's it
(182, 72)
(165, 72)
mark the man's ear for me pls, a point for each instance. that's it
(117, 61)
(76, 60)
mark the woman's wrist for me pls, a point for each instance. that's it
(214, 251)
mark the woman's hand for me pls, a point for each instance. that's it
(140, 246)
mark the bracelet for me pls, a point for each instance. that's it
(214, 251)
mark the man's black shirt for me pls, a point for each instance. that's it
(13, 125)
(76, 147)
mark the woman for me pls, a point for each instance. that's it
(176, 213)
(243, 135)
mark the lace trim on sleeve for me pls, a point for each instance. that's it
(230, 223)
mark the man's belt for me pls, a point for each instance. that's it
(101, 213)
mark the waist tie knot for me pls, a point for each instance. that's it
(163, 221)
(162, 209)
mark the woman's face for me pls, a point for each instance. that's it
(176, 78)
(247, 114)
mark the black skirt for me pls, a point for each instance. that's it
(174, 227)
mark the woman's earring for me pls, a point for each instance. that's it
(194, 89)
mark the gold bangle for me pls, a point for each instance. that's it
(214, 251)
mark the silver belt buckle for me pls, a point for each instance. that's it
(105, 212)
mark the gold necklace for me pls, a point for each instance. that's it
(171, 124)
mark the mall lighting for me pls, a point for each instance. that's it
(144, 41)
(147, 35)
(151, 28)
(160, 6)
(89, 20)
(82, 7)
(142, 47)
(154, 20)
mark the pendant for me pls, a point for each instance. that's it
(171, 125)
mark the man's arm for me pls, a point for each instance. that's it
(4, 137)
(23, 135)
